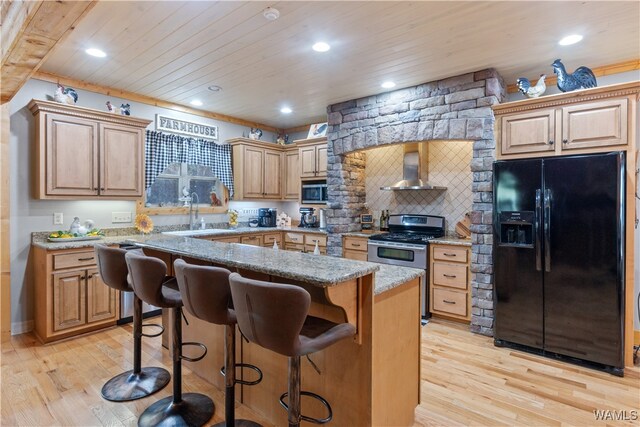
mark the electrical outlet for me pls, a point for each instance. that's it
(118, 217)
(58, 218)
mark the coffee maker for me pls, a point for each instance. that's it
(307, 218)
(267, 217)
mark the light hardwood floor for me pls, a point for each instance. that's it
(465, 381)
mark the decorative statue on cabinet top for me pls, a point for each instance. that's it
(282, 139)
(255, 133)
(581, 78)
(65, 95)
(125, 109)
(524, 86)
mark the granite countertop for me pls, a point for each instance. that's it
(107, 240)
(364, 233)
(40, 239)
(452, 240)
(314, 269)
(390, 276)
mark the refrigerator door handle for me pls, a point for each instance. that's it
(547, 230)
(538, 240)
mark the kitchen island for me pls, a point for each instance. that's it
(372, 379)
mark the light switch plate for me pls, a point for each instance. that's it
(58, 218)
(119, 217)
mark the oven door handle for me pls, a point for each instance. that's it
(399, 246)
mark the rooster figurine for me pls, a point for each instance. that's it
(581, 78)
(524, 86)
(65, 95)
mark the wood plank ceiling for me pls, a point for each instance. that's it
(175, 50)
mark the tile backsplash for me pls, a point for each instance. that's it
(449, 166)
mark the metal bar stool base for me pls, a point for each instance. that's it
(195, 409)
(129, 386)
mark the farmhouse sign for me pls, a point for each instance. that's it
(194, 129)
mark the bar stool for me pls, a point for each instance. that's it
(153, 286)
(138, 382)
(206, 295)
(275, 316)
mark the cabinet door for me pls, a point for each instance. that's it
(308, 162)
(272, 174)
(71, 156)
(101, 299)
(292, 175)
(321, 160)
(357, 255)
(528, 132)
(69, 299)
(253, 172)
(121, 161)
(594, 124)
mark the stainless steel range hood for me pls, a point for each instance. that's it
(411, 171)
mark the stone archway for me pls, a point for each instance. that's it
(454, 108)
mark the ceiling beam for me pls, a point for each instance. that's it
(136, 97)
(620, 67)
(30, 30)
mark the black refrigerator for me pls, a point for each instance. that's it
(559, 243)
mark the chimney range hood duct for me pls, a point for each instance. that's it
(411, 175)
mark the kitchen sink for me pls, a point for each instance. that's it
(197, 232)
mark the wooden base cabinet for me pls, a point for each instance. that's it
(450, 277)
(354, 248)
(86, 153)
(70, 296)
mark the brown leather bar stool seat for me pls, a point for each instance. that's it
(153, 286)
(206, 295)
(138, 382)
(275, 316)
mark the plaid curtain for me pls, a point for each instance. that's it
(161, 149)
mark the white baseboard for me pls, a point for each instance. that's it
(18, 328)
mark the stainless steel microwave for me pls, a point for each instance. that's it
(314, 193)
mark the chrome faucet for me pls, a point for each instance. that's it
(194, 194)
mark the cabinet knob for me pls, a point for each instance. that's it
(101, 188)
(565, 141)
(551, 142)
(89, 276)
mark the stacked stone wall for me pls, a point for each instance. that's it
(456, 108)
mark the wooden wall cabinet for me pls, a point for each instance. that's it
(291, 189)
(313, 157)
(87, 154)
(449, 271)
(70, 296)
(580, 122)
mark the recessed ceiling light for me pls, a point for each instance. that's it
(196, 102)
(321, 47)
(569, 40)
(95, 52)
(388, 84)
(286, 110)
(214, 88)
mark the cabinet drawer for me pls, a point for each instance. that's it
(311, 239)
(294, 238)
(268, 239)
(225, 239)
(452, 302)
(77, 259)
(452, 275)
(311, 248)
(449, 254)
(355, 244)
(251, 240)
(294, 247)
(357, 255)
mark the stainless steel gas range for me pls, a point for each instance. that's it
(406, 245)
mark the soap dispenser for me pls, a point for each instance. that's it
(203, 225)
